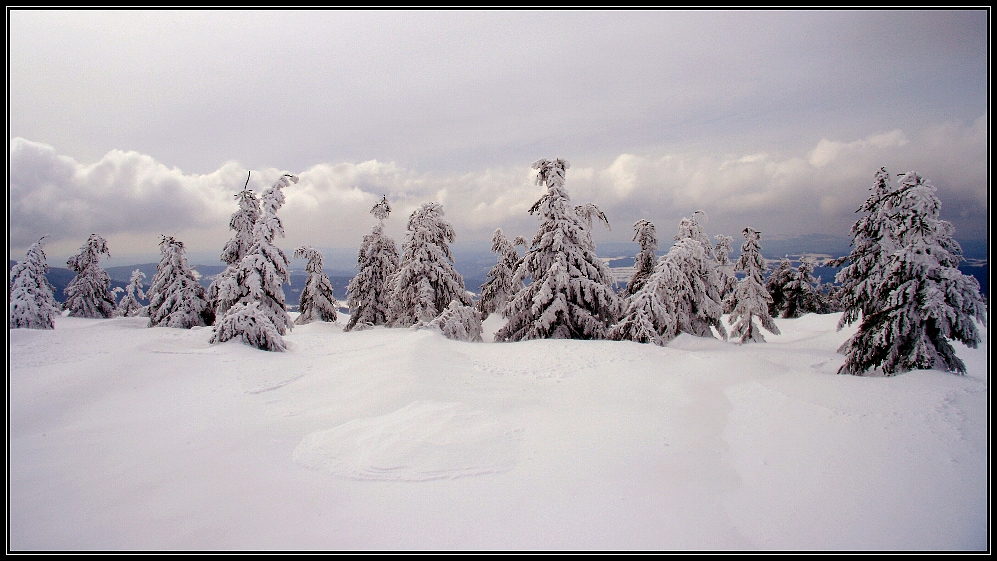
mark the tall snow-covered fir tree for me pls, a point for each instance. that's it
(725, 269)
(317, 302)
(571, 294)
(698, 306)
(242, 223)
(176, 299)
(914, 299)
(129, 306)
(32, 304)
(259, 314)
(368, 295)
(501, 284)
(647, 237)
(872, 243)
(88, 295)
(426, 281)
(750, 299)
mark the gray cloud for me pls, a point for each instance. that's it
(131, 199)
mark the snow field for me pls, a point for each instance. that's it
(125, 437)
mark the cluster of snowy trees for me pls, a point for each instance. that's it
(901, 281)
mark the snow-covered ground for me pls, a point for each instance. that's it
(124, 437)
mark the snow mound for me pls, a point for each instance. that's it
(421, 441)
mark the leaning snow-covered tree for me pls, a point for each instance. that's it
(242, 222)
(920, 299)
(426, 281)
(501, 284)
(750, 299)
(88, 295)
(317, 302)
(368, 295)
(647, 237)
(571, 294)
(698, 307)
(458, 322)
(129, 305)
(176, 299)
(259, 314)
(32, 304)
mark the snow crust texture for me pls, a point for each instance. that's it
(421, 441)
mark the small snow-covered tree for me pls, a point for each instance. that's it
(650, 315)
(920, 299)
(501, 284)
(224, 292)
(32, 304)
(175, 297)
(750, 299)
(458, 322)
(249, 323)
(368, 294)
(88, 295)
(725, 269)
(697, 302)
(317, 302)
(129, 305)
(802, 294)
(647, 237)
(426, 281)
(259, 282)
(571, 294)
(776, 284)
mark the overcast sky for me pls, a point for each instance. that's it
(135, 124)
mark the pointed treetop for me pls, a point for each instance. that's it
(382, 209)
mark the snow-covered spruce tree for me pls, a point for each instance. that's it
(571, 294)
(259, 315)
(368, 294)
(129, 305)
(725, 269)
(458, 322)
(802, 294)
(776, 284)
(697, 306)
(175, 297)
(921, 300)
(501, 284)
(224, 292)
(750, 299)
(32, 304)
(426, 281)
(872, 243)
(317, 302)
(647, 237)
(650, 314)
(88, 295)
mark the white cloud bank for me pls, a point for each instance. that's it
(131, 199)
